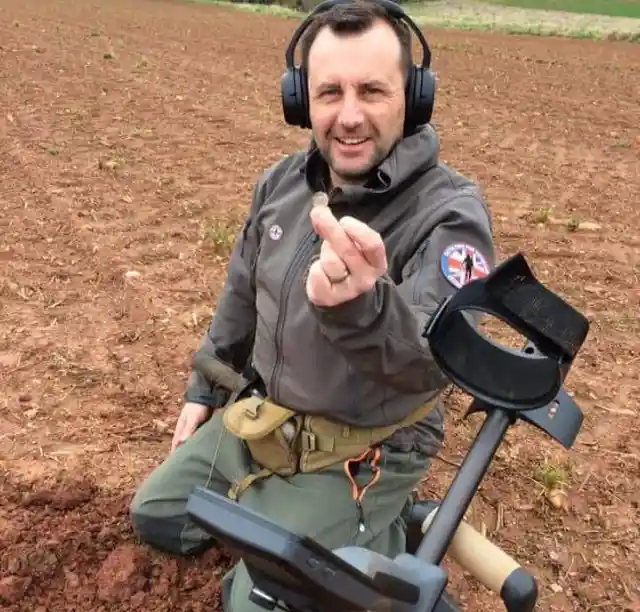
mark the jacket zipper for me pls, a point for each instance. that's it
(304, 247)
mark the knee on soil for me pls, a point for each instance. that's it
(165, 526)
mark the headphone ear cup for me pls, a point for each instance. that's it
(409, 101)
(427, 94)
(293, 98)
(303, 96)
(420, 98)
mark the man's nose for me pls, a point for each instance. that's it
(351, 114)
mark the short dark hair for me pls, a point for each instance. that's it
(353, 18)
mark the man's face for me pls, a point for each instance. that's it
(356, 99)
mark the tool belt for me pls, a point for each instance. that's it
(285, 442)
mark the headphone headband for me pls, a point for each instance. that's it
(394, 10)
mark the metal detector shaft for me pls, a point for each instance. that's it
(451, 511)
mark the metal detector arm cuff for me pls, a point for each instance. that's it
(501, 377)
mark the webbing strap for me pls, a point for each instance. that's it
(240, 486)
(321, 440)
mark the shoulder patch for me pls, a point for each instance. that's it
(462, 263)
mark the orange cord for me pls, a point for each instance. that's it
(374, 457)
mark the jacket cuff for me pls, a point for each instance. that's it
(360, 312)
(200, 392)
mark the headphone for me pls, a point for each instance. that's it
(420, 86)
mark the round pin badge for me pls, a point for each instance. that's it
(462, 263)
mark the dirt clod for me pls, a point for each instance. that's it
(123, 574)
(12, 588)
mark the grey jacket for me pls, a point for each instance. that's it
(363, 362)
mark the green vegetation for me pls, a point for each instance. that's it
(492, 16)
(278, 9)
(508, 16)
(615, 8)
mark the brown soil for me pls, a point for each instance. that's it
(131, 135)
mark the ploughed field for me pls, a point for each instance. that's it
(131, 135)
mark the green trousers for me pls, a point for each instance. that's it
(319, 505)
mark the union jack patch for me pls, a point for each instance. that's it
(462, 263)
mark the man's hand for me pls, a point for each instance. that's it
(191, 416)
(352, 258)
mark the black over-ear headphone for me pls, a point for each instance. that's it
(420, 86)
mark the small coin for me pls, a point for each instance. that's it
(320, 198)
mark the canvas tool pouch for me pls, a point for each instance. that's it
(269, 430)
(284, 442)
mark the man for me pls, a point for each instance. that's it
(468, 267)
(327, 304)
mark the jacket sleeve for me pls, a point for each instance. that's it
(231, 332)
(380, 331)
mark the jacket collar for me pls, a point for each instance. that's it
(412, 156)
